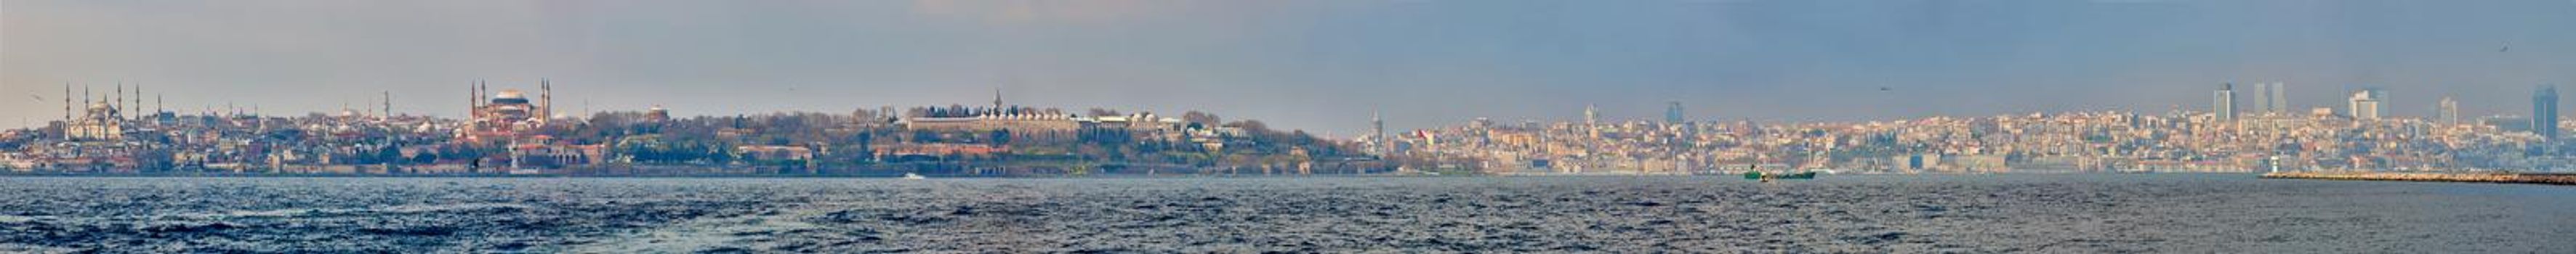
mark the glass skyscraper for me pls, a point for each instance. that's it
(2544, 112)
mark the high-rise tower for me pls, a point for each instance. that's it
(2544, 112)
(2225, 104)
(2448, 111)
(2365, 104)
(2262, 98)
(1673, 113)
(2279, 101)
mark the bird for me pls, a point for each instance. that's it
(39, 98)
(1884, 89)
(2506, 48)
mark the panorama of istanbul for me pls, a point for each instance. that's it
(1338, 126)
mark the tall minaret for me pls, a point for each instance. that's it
(115, 103)
(389, 105)
(137, 103)
(473, 99)
(545, 100)
(67, 102)
(997, 98)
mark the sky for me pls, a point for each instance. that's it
(1321, 65)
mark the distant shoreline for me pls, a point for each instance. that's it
(899, 175)
(2489, 177)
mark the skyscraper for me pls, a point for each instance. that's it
(2262, 98)
(1673, 113)
(2365, 104)
(2544, 112)
(2448, 111)
(2280, 98)
(2225, 104)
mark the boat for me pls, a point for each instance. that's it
(1756, 175)
(912, 176)
(1750, 174)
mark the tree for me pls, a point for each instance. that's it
(1001, 137)
(1202, 118)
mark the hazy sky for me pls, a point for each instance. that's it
(1316, 65)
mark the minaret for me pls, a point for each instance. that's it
(67, 102)
(114, 103)
(997, 98)
(389, 105)
(473, 99)
(137, 103)
(545, 100)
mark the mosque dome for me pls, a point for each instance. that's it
(510, 94)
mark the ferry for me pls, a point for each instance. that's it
(912, 176)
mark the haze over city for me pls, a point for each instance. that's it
(1322, 66)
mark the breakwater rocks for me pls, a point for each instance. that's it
(2488, 177)
(1853, 214)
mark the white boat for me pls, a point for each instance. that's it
(911, 176)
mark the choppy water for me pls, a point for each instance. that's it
(1993, 213)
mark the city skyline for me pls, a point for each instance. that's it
(1422, 64)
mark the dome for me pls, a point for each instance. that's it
(100, 106)
(510, 94)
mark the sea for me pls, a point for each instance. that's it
(2006, 213)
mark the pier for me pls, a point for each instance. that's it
(2477, 177)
